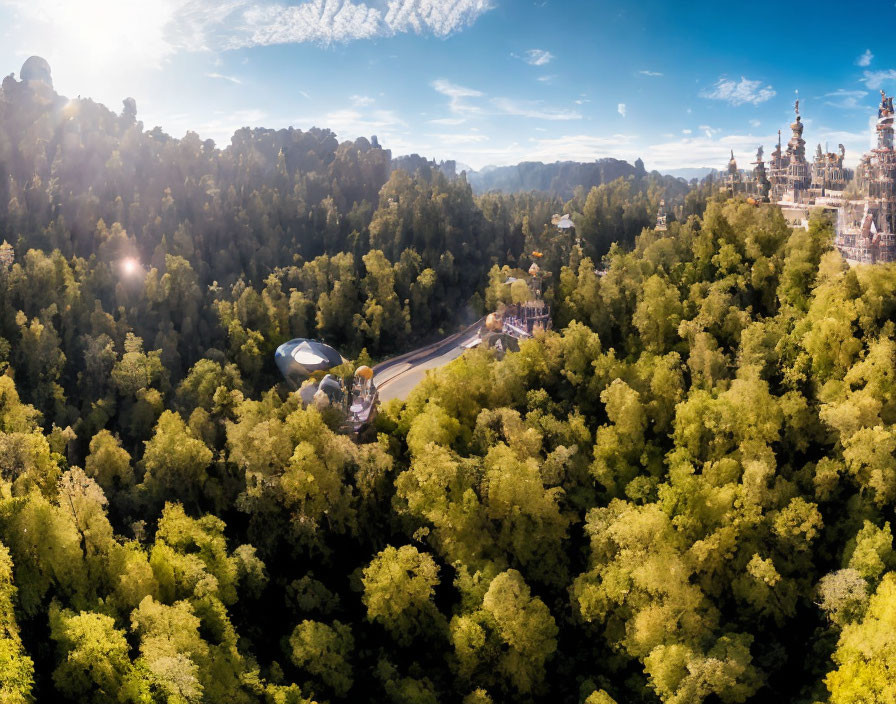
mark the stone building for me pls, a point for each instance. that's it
(866, 225)
(761, 184)
(777, 172)
(794, 184)
(829, 176)
(798, 176)
(734, 181)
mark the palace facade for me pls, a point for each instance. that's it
(865, 214)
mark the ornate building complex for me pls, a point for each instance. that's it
(865, 213)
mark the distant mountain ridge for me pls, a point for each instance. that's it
(559, 178)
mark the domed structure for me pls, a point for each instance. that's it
(300, 358)
(36, 68)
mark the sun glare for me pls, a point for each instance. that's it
(130, 266)
(113, 34)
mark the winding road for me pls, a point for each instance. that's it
(396, 377)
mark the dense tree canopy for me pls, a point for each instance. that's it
(682, 494)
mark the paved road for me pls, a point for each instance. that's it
(395, 378)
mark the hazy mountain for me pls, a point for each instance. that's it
(413, 163)
(560, 178)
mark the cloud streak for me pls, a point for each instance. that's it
(152, 32)
(865, 59)
(339, 21)
(458, 96)
(739, 92)
(461, 104)
(222, 77)
(537, 57)
(533, 109)
(876, 79)
(846, 99)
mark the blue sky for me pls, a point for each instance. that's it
(480, 81)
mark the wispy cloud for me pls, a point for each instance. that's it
(547, 79)
(536, 57)
(846, 99)
(452, 138)
(222, 77)
(739, 92)
(361, 101)
(580, 147)
(876, 79)
(621, 109)
(439, 17)
(533, 109)
(448, 121)
(332, 21)
(352, 122)
(151, 33)
(755, 123)
(319, 21)
(652, 74)
(458, 96)
(461, 103)
(865, 59)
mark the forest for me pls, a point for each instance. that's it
(682, 494)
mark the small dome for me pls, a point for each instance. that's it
(36, 69)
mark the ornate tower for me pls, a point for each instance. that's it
(777, 173)
(763, 186)
(866, 231)
(798, 176)
(885, 123)
(733, 183)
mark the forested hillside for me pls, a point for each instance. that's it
(563, 178)
(684, 494)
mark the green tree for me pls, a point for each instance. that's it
(399, 586)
